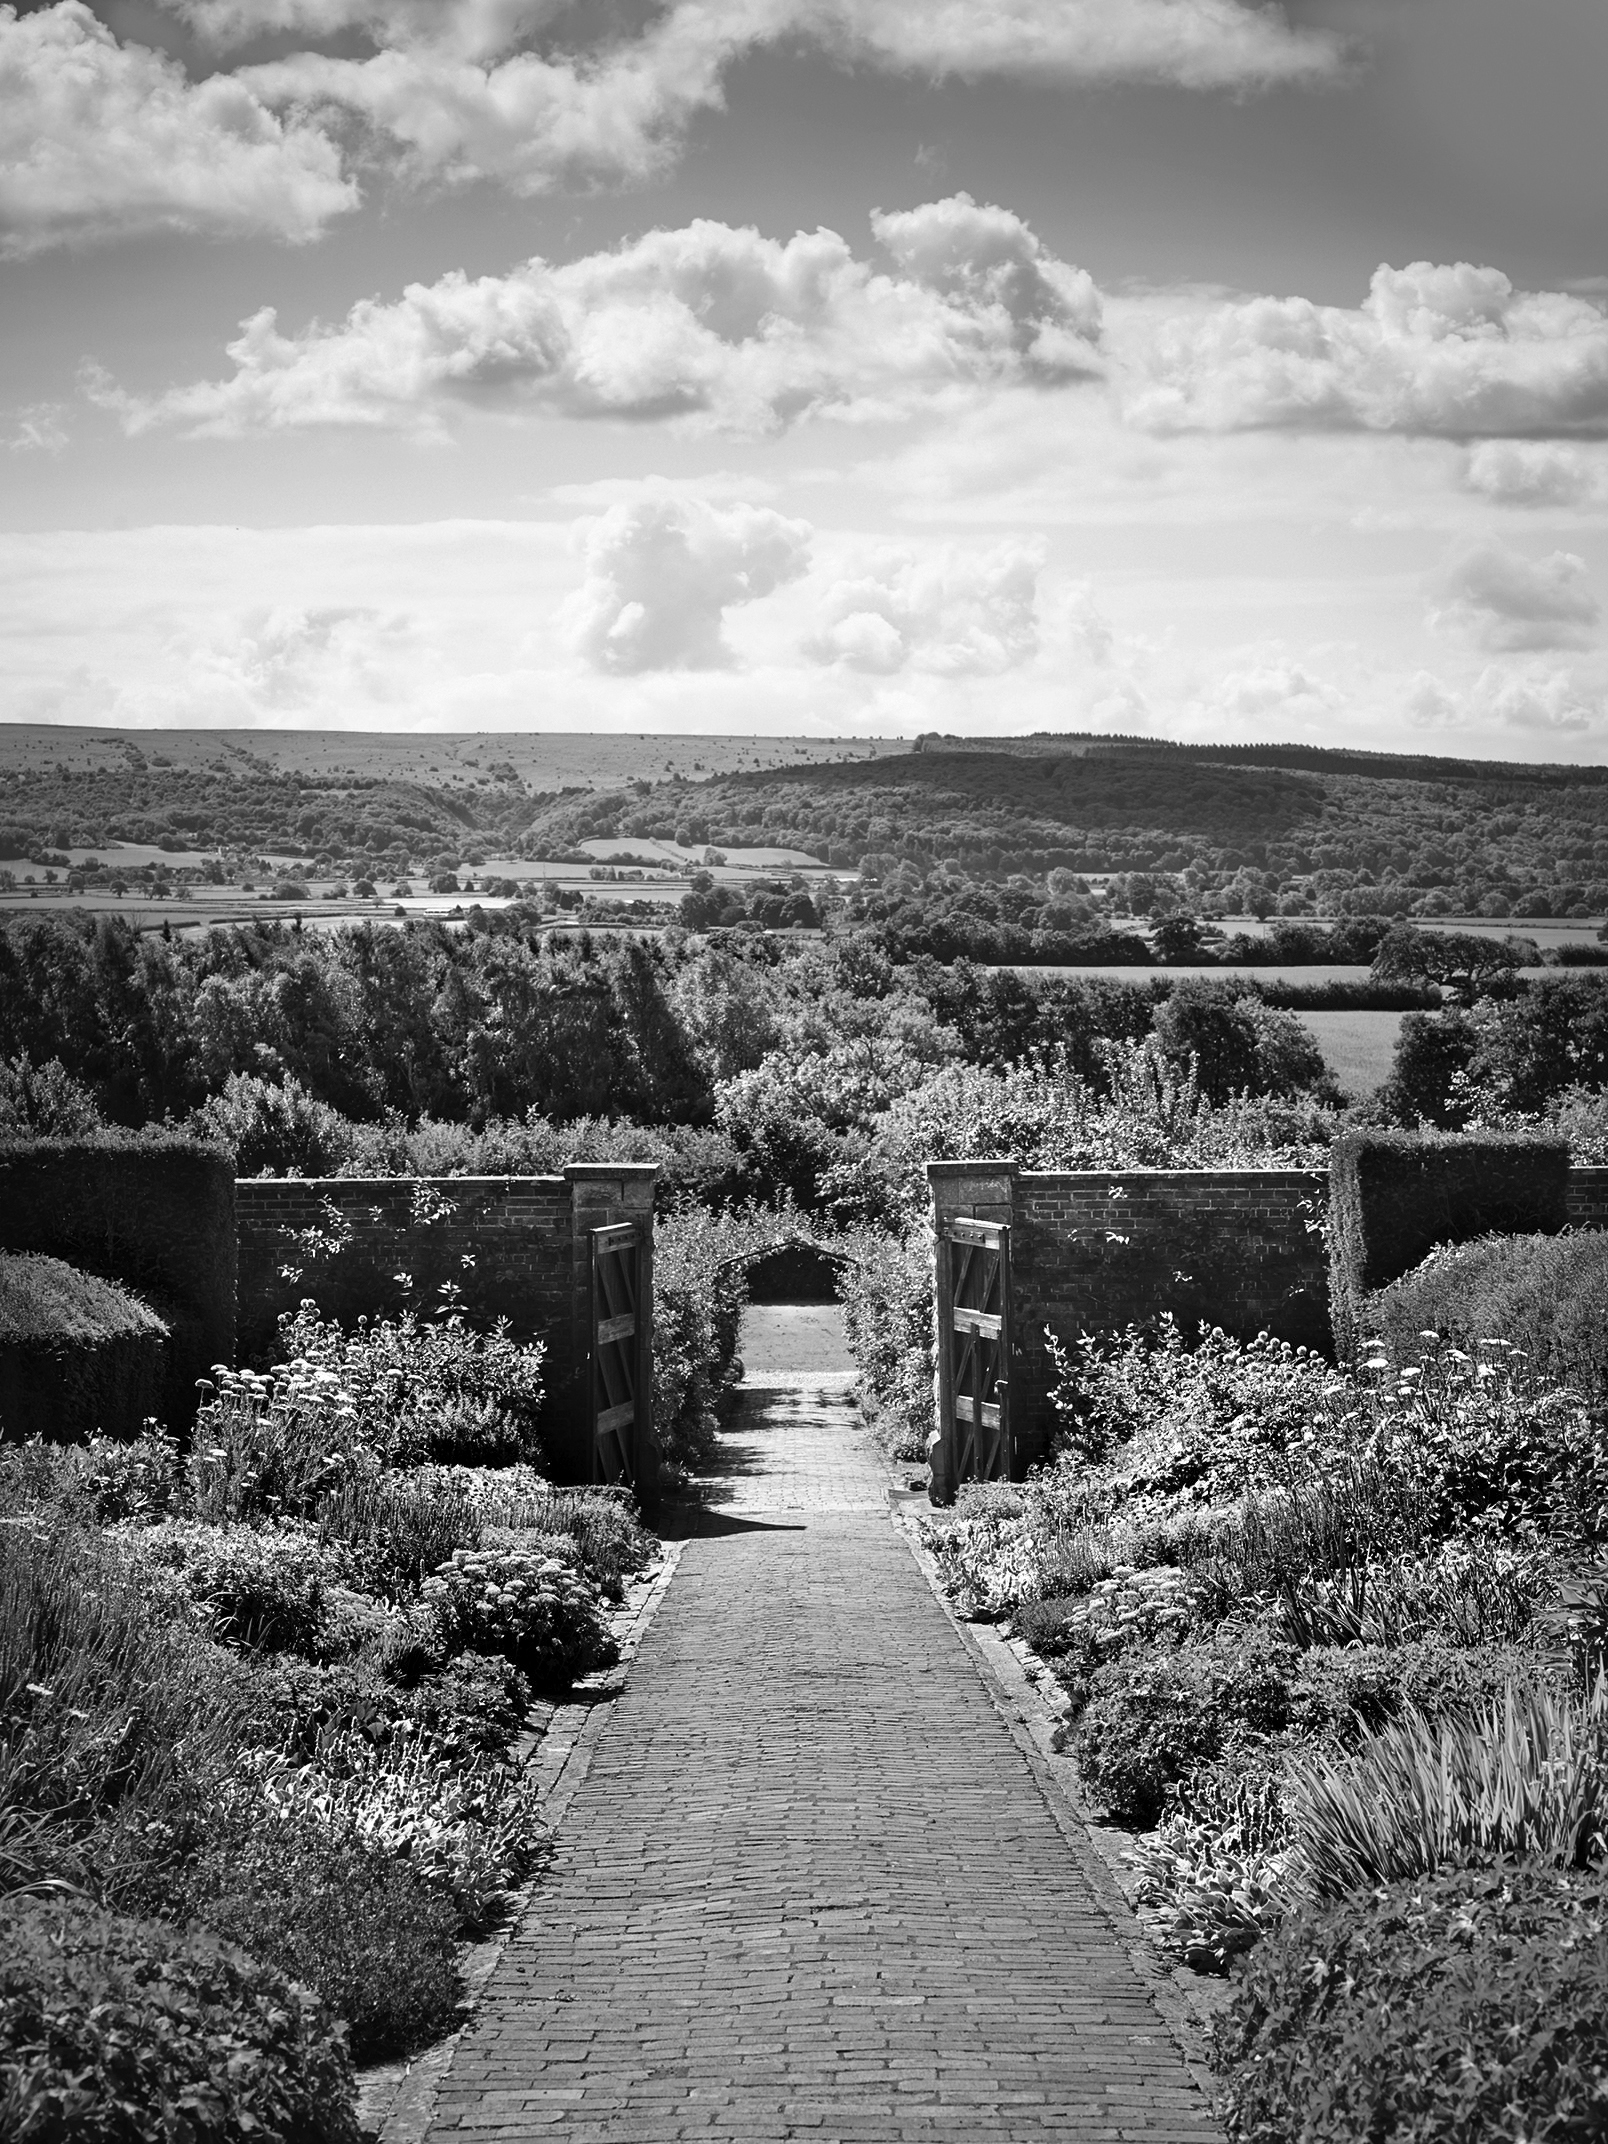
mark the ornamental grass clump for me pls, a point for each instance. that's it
(1525, 1776)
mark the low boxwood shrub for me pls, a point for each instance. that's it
(115, 2031)
(1471, 2008)
(1545, 1295)
(1393, 1196)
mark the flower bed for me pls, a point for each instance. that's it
(271, 1693)
(1324, 1640)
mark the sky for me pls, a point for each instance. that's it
(1181, 368)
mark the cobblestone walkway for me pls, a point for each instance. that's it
(809, 1887)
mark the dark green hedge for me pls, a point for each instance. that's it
(155, 1213)
(1396, 1196)
(77, 1355)
(1545, 1295)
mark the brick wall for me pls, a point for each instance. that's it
(517, 1246)
(1091, 1250)
(1095, 1251)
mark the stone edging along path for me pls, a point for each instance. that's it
(811, 1877)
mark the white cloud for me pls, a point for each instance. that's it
(36, 428)
(662, 571)
(708, 323)
(464, 91)
(1536, 472)
(288, 660)
(100, 140)
(958, 613)
(1547, 702)
(1274, 689)
(530, 120)
(1193, 44)
(1503, 600)
(1448, 350)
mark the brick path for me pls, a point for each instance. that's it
(809, 1887)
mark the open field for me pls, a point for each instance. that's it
(1357, 1046)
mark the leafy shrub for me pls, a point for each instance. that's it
(1214, 1872)
(399, 1527)
(1153, 1718)
(1527, 1775)
(1237, 1043)
(1393, 1196)
(44, 1101)
(427, 1387)
(699, 1288)
(358, 1926)
(469, 1830)
(1468, 2009)
(275, 1128)
(886, 1293)
(1340, 1692)
(524, 1602)
(124, 2032)
(1547, 1296)
(263, 1588)
(473, 1708)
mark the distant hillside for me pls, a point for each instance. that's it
(1250, 826)
(1281, 822)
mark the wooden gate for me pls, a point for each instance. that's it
(619, 1342)
(975, 1342)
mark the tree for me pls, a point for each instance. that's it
(1465, 962)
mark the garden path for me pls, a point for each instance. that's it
(809, 1886)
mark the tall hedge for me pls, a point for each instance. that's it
(154, 1212)
(77, 1354)
(1547, 1296)
(1395, 1196)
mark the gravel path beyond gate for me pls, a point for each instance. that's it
(810, 1887)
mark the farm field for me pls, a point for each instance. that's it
(1357, 1046)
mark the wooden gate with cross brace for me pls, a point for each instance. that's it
(974, 1438)
(620, 1338)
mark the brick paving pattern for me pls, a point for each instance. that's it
(809, 1887)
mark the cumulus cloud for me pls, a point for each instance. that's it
(1502, 600)
(100, 140)
(466, 92)
(1446, 350)
(1275, 689)
(288, 660)
(663, 570)
(36, 428)
(958, 613)
(709, 323)
(1546, 702)
(1536, 472)
(1192, 44)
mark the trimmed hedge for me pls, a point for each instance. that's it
(77, 1355)
(1396, 1196)
(127, 2032)
(151, 1211)
(1545, 1295)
